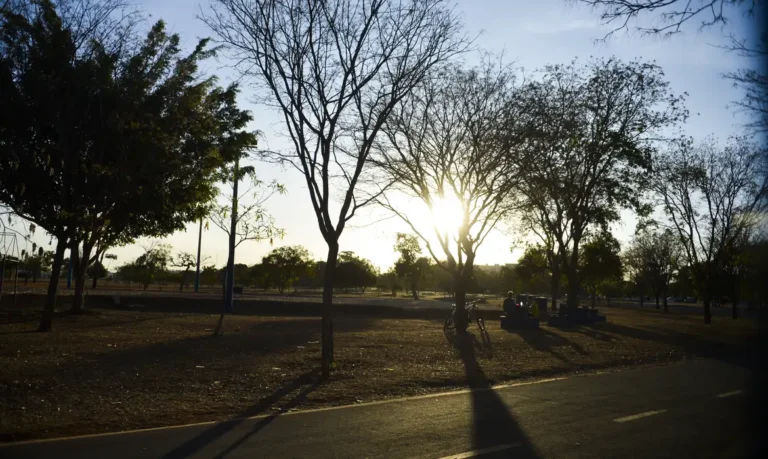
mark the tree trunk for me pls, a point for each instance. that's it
(461, 319)
(573, 289)
(642, 299)
(665, 295)
(230, 281)
(46, 319)
(593, 299)
(327, 323)
(414, 290)
(199, 246)
(657, 300)
(555, 285)
(93, 284)
(80, 265)
(735, 307)
(707, 310)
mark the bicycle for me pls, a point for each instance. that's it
(449, 327)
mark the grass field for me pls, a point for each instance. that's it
(114, 370)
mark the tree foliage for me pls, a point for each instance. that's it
(714, 197)
(411, 265)
(285, 265)
(110, 140)
(600, 263)
(354, 272)
(599, 126)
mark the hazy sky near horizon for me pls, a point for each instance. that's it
(529, 33)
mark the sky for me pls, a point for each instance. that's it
(530, 34)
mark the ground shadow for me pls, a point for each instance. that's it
(692, 344)
(306, 383)
(544, 340)
(493, 425)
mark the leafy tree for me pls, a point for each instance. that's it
(335, 69)
(96, 271)
(149, 267)
(186, 261)
(144, 132)
(713, 197)
(532, 269)
(209, 275)
(442, 150)
(508, 278)
(410, 265)
(389, 281)
(37, 262)
(591, 149)
(659, 254)
(354, 272)
(286, 265)
(600, 263)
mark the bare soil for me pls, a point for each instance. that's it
(115, 370)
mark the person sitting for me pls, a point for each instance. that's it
(509, 303)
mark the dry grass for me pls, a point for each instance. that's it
(115, 370)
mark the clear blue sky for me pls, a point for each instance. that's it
(530, 33)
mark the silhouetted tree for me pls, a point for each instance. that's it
(120, 139)
(713, 197)
(532, 270)
(285, 265)
(599, 125)
(443, 148)
(354, 272)
(335, 69)
(671, 17)
(411, 265)
(600, 262)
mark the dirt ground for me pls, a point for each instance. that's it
(114, 370)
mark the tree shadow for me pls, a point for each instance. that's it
(692, 344)
(309, 379)
(544, 340)
(493, 424)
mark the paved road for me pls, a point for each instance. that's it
(691, 409)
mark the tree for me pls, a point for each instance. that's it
(149, 267)
(532, 269)
(127, 139)
(389, 281)
(243, 220)
(354, 272)
(713, 197)
(285, 265)
(658, 257)
(209, 275)
(335, 69)
(442, 151)
(187, 261)
(600, 262)
(591, 150)
(410, 265)
(673, 16)
(96, 271)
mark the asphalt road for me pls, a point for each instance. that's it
(691, 409)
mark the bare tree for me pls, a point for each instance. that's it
(599, 124)
(713, 196)
(673, 15)
(243, 220)
(335, 69)
(443, 148)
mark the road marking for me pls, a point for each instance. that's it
(638, 416)
(480, 452)
(288, 413)
(728, 394)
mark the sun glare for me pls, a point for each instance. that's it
(447, 213)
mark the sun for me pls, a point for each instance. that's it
(447, 213)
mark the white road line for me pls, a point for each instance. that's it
(479, 452)
(639, 416)
(728, 394)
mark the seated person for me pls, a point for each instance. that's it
(509, 303)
